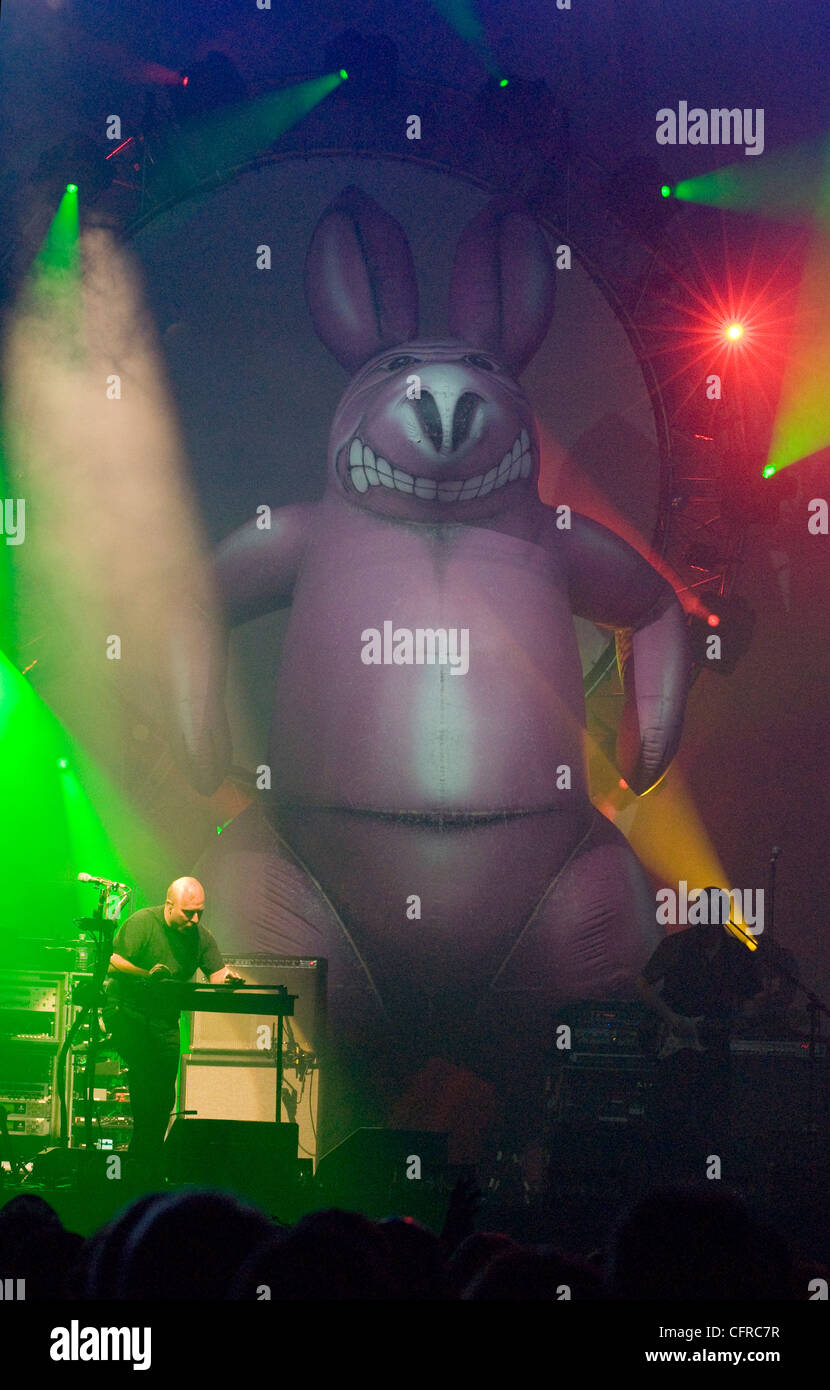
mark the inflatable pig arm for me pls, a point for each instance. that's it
(501, 298)
(254, 573)
(613, 586)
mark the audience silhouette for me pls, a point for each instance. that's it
(684, 1244)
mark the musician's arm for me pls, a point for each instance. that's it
(126, 966)
(651, 995)
(131, 939)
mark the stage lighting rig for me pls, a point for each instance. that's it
(750, 494)
(525, 132)
(704, 558)
(79, 159)
(207, 86)
(370, 63)
(637, 200)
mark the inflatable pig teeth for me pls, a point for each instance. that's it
(429, 829)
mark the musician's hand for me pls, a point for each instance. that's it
(232, 978)
(160, 970)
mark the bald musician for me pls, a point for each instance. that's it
(154, 944)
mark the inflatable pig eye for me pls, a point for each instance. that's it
(474, 359)
(398, 362)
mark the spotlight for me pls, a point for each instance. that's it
(769, 470)
(665, 191)
(62, 764)
(72, 188)
(734, 332)
(344, 74)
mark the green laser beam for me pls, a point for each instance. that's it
(793, 186)
(52, 291)
(237, 133)
(59, 813)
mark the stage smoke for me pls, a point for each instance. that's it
(111, 569)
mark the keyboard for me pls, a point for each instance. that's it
(222, 999)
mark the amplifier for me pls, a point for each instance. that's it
(28, 1116)
(31, 1006)
(228, 1069)
(770, 1094)
(303, 976)
(598, 1026)
(600, 1095)
(609, 1061)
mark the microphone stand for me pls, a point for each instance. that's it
(771, 890)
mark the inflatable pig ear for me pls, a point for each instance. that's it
(503, 284)
(360, 281)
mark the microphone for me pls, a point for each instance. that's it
(776, 850)
(105, 882)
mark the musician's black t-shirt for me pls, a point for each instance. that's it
(695, 985)
(145, 939)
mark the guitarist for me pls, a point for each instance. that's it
(698, 984)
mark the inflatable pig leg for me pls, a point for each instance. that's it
(264, 901)
(592, 925)
(595, 924)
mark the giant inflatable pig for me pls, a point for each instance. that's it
(428, 829)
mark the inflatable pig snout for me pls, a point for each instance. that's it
(434, 430)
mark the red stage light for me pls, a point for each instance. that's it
(713, 620)
(185, 81)
(734, 332)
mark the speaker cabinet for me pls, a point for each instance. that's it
(388, 1172)
(253, 1160)
(229, 1069)
(770, 1096)
(303, 976)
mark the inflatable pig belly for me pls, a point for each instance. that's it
(445, 781)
